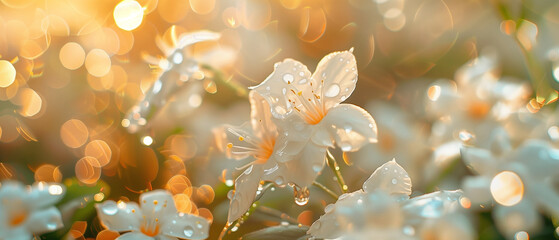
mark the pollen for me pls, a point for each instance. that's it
(155, 202)
(230, 145)
(241, 138)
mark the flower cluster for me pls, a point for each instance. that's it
(295, 117)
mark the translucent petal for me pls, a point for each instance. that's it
(237, 142)
(158, 204)
(185, 226)
(433, 205)
(321, 136)
(545, 195)
(477, 190)
(17, 233)
(326, 226)
(45, 194)
(123, 217)
(336, 77)
(302, 169)
(289, 77)
(261, 117)
(134, 236)
(44, 221)
(350, 126)
(246, 186)
(390, 178)
(520, 217)
(188, 39)
(480, 160)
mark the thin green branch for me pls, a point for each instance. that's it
(325, 189)
(336, 169)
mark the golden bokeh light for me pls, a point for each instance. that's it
(507, 188)
(29, 101)
(173, 10)
(88, 170)
(230, 17)
(202, 6)
(7, 73)
(9, 125)
(72, 55)
(207, 214)
(100, 150)
(48, 173)
(313, 24)
(205, 194)
(97, 62)
(74, 133)
(179, 184)
(183, 203)
(128, 15)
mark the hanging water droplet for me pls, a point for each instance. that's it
(188, 231)
(288, 78)
(301, 195)
(332, 91)
(279, 180)
(110, 208)
(394, 181)
(346, 147)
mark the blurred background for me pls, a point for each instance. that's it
(73, 74)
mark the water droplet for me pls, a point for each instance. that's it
(199, 225)
(359, 201)
(110, 208)
(279, 180)
(465, 136)
(317, 167)
(276, 65)
(341, 59)
(346, 147)
(301, 74)
(394, 181)
(268, 88)
(230, 194)
(284, 91)
(188, 231)
(51, 225)
(332, 91)
(303, 81)
(324, 74)
(409, 230)
(348, 129)
(284, 223)
(301, 195)
(248, 170)
(288, 78)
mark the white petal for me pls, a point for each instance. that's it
(326, 226)
(302, 169)
(18, 233)
(163, 237)
(390, 178)
(289, 78)
(321, 136)
(480, 160)
(188, 39)
(12, 190)
(236, 142)
(246, 186)
(520, 217)
(477, 190)
(134, 236)
(46, 194)
(158, 204)
(123, 217)
(186, 226)
(261, 117)
(338, 70)
(43, 221)
(433, 205)
(545, 195)
(350, 126)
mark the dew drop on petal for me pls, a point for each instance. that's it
(317, 167)
(409, 230)
(51, 225)
(288, 78)
(110, 208)
(332, 91)
(279, 180)
(394, 181)
(188, 231)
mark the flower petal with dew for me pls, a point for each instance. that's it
(28, 211)
(155, 218)
(315, 99)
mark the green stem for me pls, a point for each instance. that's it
(325, 189)
(336, 169)
(276, 213)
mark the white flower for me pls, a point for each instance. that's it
(155, 218)
(180, 77)
(310, 105)
(478, 101)
(383, 209)
(518, 179)
(258, 143)
(28, 211)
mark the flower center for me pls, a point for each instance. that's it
(18, 218)
(309, 105)
(150, 227)
(266, 148)
(478, 110)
